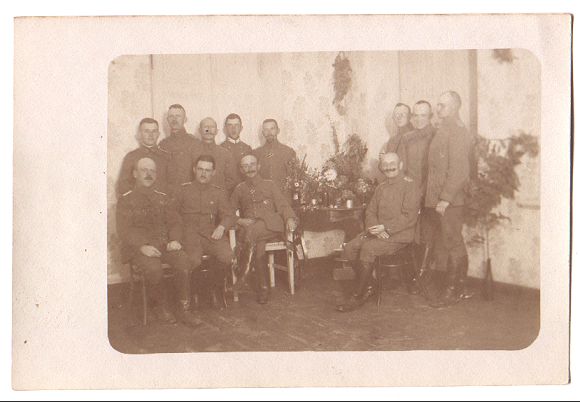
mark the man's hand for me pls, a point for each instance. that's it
(245, 222)
(218, 233)
(150, 251)
(291, 224)
(174, 246)
(383, 235)
(376, 230)
(441, 207)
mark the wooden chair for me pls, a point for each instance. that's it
(401, 259)
(290, 266)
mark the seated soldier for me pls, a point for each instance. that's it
(202, 215)
(143, 226)
(264, 215)
(390, 221)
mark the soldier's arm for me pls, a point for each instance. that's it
(174, 219)
(235, 202)
(281, 203)
(372, 211)
(409, 210)
(225, 211)
(229, 173)
(125, 181)
(458, 167)
(128, 234)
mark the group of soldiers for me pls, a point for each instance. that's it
(178, 199)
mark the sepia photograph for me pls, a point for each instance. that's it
(324, 201)
(222, 201)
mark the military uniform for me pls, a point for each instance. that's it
(197, 210)
(396, 143)
(261, 200)
(448, 175)
(181, 147)
(143, 218)
(224, 174)
(395, 205)
(275, 159)
(238, 149)
(126, 180)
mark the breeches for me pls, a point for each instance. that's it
(259, 235)
(152, 268)
(196, 246)
(447, 236)
(368, 249)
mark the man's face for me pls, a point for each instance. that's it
(401, 116)
(208, 129)
(204, 171)
(148, 134)
(176, 119)
(421, 115)
(391, 165)
(233, 128)
(249, 166)
(145, 173)
(270, 131)
(446, 106)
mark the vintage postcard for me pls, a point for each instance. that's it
(290, 201)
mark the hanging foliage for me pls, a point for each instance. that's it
(342, 82)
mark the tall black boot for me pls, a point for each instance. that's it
(262, 281)
(362, 293)
(217, 284)
(462, 291)
(160, 301)
(450, 295)
(246, 254)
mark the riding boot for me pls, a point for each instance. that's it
(450, 295)
(217, 276)
(262, 281)
(462, 292)
(362, 292)
(245, 257)
(160, 302)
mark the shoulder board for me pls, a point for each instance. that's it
(127, 193)
(159, 192)
(186, 184)
(162, 150)
(218, 187)
(410, 180)
(239, 185)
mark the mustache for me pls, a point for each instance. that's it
(148, 178)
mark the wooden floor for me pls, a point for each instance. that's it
(308, 321)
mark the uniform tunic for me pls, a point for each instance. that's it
(448, 175)
(238, 149)
(275, 159)
(181, 148)
(395, 205)
(396, 144)
(126, 180)
(197, 210)
(224, 174)
(416, 150)
(143, 219)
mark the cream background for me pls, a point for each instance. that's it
(297, 90)
(60, 249)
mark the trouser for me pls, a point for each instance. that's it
(257, 235)
(449, 246)
(153, 272)
(366, 250)
(196, 246)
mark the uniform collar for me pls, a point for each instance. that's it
(234, 141)
(254, 181)
(152, 148)
(179, 133)
(144, 190)
(202, 186)
(273, 144)
(208, 145)
(395, 180)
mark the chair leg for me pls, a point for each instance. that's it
(131, 298)
(290, 263)
(379, 287)
(271, 268)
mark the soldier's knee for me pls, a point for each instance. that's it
(225, 257)
(152, 269)
(351, 250)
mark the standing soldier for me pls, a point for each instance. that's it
(390, 221)
(148, 135)
(416, 144)
(143, 224)
(232, 128)
(275, 158)
(180, 146)
(202, 215)
(265, 214)
(223, 175)
(402, 118)
(448, 175)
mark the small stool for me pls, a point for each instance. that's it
(290, 263)
(400, 259)
(203, 277)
